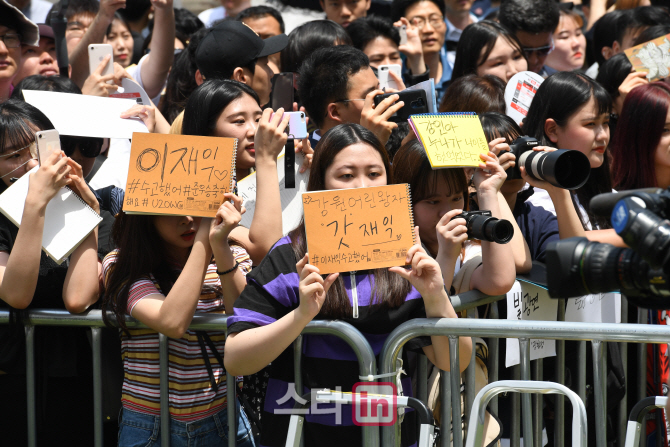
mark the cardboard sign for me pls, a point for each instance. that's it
(652, 57)
(519, 94)
(451, 139)
(180, 175)
(358, 229)
(527, 301)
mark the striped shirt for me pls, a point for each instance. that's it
(328, 362)
(191, 395)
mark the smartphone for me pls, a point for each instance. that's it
(386, 81)
(96, 53)
(282, 91)
(48, 141)
(402, 30)
(415, 104)
(297, 125)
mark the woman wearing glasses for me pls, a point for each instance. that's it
(487, 48)
(427, 16)
(29, 279)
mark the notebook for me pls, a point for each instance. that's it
(291, 199)
(179, 175)
(358, 229)
(451, 139)
(67, 222)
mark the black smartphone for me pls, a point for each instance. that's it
(282, 91)
(415, 104)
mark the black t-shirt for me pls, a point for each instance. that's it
(57, 349)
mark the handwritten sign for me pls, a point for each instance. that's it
(527, 301)
(450, 139)
(358, 229)
(598, 308)
(652, 57)
(519, 94)
(179, 174)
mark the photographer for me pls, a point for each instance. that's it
(337, 85)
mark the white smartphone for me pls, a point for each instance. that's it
(402, 30)
(297, 125)
(48, 141)
(386, 81)
(96, 53)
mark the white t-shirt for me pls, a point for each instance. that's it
(472, 249)
(209, 16)
(541, 198)
(135, 71)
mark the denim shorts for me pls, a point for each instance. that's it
(143, 430)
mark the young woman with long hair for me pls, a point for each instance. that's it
(571, 111)
(286, 292)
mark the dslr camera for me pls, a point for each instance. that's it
(640, 217)
(482, 226)
(563, 168)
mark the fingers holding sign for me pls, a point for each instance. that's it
(313, 287)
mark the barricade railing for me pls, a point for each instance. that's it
(524, 330)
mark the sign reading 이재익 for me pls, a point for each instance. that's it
(179, 174)
(358, 229)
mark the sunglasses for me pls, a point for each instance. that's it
(88, 147)
(540, 51)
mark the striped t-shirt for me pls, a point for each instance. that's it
(191, 394)
(328, 362)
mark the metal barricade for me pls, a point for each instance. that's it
(93, 320)
(523, 330)
(475, 437)
(637, 416)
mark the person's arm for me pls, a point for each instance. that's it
(597, 9)
(151, 117)
(81, 288)
(156, 66)
(496, 275)
(413, 49)
(606, 237)
(172, 314)
(452, 233)
(19, 269)
(426, 277)
(520, 251)
(95, 34)
(250, 351)
(266, 226)
(227, 217)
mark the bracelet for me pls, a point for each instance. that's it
(237, 264)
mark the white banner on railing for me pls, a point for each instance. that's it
(598, 308)
(528, 301)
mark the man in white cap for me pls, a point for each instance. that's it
(15, 29)
(39, 60)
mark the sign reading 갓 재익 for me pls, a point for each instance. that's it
(179, 174)
(358, 229)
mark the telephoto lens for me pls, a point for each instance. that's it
(482, 226)
(563, 168)
(579, 267)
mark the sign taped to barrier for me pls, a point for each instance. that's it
(527, 301)
(598, 308)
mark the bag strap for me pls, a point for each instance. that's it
(203, 338)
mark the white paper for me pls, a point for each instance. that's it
(114, 170)
(528, 301)
(132, 90)
(428, 87)
(598, 308)
(86, 116)
(291, 199)
(519, 93)
(67, 220)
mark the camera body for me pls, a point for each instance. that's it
(563, 168)
(481, 225)
(641, 272)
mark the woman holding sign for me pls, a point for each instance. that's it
(29, 279)
(286, 292)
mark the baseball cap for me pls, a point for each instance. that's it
(11, 17)
(46, 31)
(231, 44)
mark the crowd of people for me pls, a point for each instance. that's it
(212, 75)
